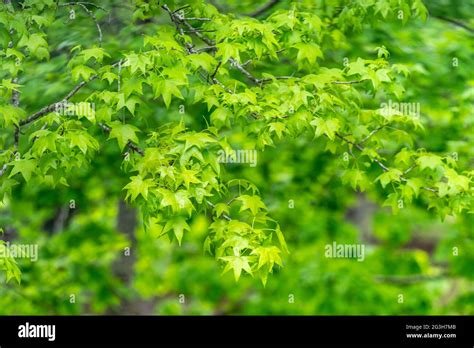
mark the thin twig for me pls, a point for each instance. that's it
(197, 19)
(378, 162)
(456, 23)
(89, 13)
(51, 107)
(225, 216)
(409, 279)
(372, 133)
(348, 82)
(215, 71)
(264, 8)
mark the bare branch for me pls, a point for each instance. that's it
(4, 168)
(51, 107)
(207, 48)
(72, 3)
(348, 82)
(225, 216)
(89, 13)
(264, 8)
(197, 19)
(409, 279)
(215, 71)
(456, 23)
(380, 164)
(372, 133)
(244, 71)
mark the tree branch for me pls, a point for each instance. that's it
(89, 13)
(456, 23)
(51, 107)
(409, 279)
(264, 8)
(381, 165)
(348, 82)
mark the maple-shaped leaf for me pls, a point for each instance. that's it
(178, 224)
(253, 203)
(391, 175)
(237, 263)
(327, 127)
(138, 186)
(123, 133)
(23, 166)
(429, 161)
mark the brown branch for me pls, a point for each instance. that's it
(348, 82)
(372, 133)
(381, 165)
(215, 71)
(89, 13)
(177, 20)
(84, 3)
(456, 23)
(244, 71)
(264, 8)
(16, 103)
(409, 279)
(51, 107)
(197, 19)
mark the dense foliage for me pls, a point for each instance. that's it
(244, 137)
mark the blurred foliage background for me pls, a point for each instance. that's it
(411, 253)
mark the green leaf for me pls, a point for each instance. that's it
(391, 175)
(196, 139)
(128, 103)
(137, 62)
(10, 114)
(281, 239)
(309, 52)
(253, 203)
(356, 178)
(83, 140)
(23, 166)
(220, 209)
(36, 44)
(221, 117)
(138, 186)
(429, 161)
(201, 60)
(82, 71)
(267, 256)
(123, 133)
(178, 224)
(227, 50)
(237, 263)
(327, 127)
(97, 53)
(189, 177)
(358, 67)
